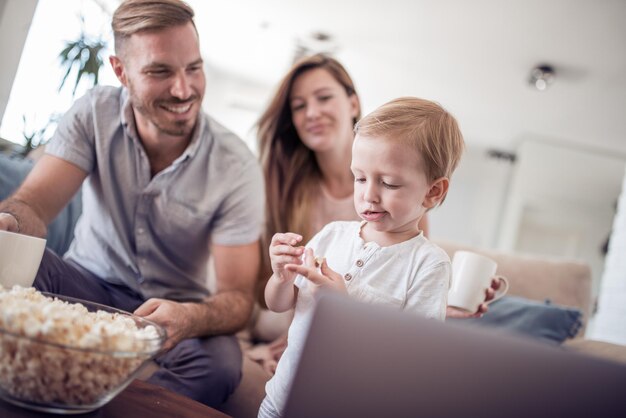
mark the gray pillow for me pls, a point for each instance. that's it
(540, 320)
(13, 170)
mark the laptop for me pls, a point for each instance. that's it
(366, 361)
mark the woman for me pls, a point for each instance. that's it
(305, 142)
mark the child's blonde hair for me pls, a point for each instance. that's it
(422, 124)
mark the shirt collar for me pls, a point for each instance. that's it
(416, 240)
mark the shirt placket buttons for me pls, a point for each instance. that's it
(347, 276)
(359, 263)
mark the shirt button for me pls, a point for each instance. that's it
(359, 263)
(348, 276)
(140, 231)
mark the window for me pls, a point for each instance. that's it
(35, 97)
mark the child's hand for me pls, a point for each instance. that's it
(323, 277)
(282, 252)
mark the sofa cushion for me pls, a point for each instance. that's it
(61, 229)
(541, 320)
(564, 281)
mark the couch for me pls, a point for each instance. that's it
(566, 283)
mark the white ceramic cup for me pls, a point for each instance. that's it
(471, 276)
(20, 256)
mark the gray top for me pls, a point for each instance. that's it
(153, 234)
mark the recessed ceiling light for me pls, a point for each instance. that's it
(542, 76)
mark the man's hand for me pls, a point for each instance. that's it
(267, 355)
(8, 222)
(226, 311)
(175, 317)
(490, 292)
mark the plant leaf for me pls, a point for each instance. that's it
(84, 55)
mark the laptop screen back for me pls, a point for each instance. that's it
(370, 361)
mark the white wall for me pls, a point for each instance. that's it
(235, 102)
(472, 210)
(609, 323)
(15, 19)
(554, 200)
(561, 202)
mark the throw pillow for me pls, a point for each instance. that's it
(61, 229)
(543, 321)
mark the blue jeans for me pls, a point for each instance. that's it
(205, 369)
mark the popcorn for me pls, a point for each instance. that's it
(71, 356)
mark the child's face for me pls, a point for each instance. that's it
(391, 190)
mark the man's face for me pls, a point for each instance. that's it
(164, 73)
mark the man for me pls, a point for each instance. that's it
(165, 187)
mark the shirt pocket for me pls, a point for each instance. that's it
(182, 227)
(375, 296)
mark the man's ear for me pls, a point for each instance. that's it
(436, 193)
(118, 69)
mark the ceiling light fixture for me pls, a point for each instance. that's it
(542, 76)
(313, 43)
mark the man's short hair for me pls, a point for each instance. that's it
(134, 16)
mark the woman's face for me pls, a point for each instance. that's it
(322, 111)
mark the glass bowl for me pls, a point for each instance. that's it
(95, 362)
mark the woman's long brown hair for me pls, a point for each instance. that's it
(292, 175)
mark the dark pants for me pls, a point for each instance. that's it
(205, 369)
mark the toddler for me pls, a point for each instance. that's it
(402, 158)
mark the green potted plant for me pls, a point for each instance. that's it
(83, 56)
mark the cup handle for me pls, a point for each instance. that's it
(504, 287)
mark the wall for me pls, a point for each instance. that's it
(15, 19)
(471, 211)
(561, 202)
(235, 102)
(608, 324)
(554, 200)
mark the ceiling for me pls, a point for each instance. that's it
(473, 57)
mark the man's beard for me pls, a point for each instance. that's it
(182, 128)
